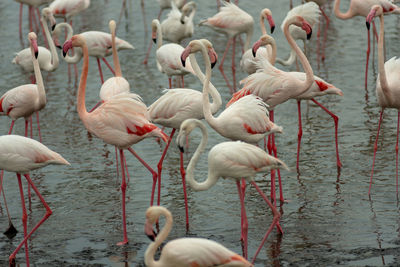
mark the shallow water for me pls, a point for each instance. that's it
(328, 220)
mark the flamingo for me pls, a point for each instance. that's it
(121, 121)
(168, 55)
(232, 21)
(99, 44)
(232, 160)
(165, 4)
(22, 155)
(179, 25)
(278, 86)
(248, 63)
(177, 105)
(68, 8)
(310, 12)
(48, 60)
(185, 252)
(387, 86)
(362, 8)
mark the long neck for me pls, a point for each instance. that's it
(162, 235)
(339, 14)
(81, 106)
(39, 80)
(249, 34)
(211, 179)
(54, 57)
(262, 25)
(273, 56)
(159, 35)
(304, 62)
(216, 97)
(77, 52)
(117, 66)
(381, 58)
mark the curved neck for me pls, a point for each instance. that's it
(77, 52)
(303, 59)
(162, 235)
(159, 35)
(39, 79)
(381, 57)
(249, 34)
(54, 57)
(339, 14)
(273, 55)
(216, 97)
(262, 25)
(117, 66)
(211, 179)
(81, 106)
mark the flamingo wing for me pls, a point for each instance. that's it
(114, 86)
(68, 7)
(19, 101)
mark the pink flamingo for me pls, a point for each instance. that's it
(232, 160)
(387, 86)
(362, 8)
(248, 63)
(185, 252)
(68, 8)
(232, 21)
(121, 121)
(22, 155)
(99, 45)
(177, 105)
(168, 56)
(278, 86)
(48, 60)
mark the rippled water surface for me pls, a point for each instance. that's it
(328, 220)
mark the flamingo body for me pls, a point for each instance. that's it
(23, 59)
(34, 3)
(168, 60)
(21, 101)
(392, 68)
(68, 8)
(363, 7)
(114, 86)
(177, 26)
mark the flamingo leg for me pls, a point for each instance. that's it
(228, 44)
(366, 64)
(299, 134)
(183, 174)
(275, 220)
(11, 231)
(38, 125)
(397, 153)
(21, 7)
(11, 126)
(100, 71)
(45, 217)
(96, 106)
(233, 64)
(272, 148)
(244, 223)
(375, 149)
(116, 161)
(150, 169)
(170, 82)
(123, 190)
(146, 58)
(336, 120)
(30, 127)
(26, 128)
(325, 33)
(108, 65)
(159, 167)
(127, 172)
(183, 82)
(24, 217)
(30, 19)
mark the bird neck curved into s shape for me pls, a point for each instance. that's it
(77, 52)
(159, 35)
(54, 62)
(151, 249)
(349, 13)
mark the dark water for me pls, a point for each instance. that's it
(329, 219)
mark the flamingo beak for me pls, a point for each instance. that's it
(255, 47)
(181, 149)
(307, 28)
(213, 57)
(148, 230)
(35, 48)
(67, 46)
(370, 17)
(271, 23)
(184, 55)
(309, 35)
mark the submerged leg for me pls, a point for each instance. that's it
(24, 217)
(184, 190)
(299, 134)
(123, 190)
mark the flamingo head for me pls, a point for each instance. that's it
(48, 15)
(33, 41)
(303, 24)
(186, 128)
(211, 52)
(197, 45)
(75, 41)
(376, 10)
(112, 26)
(267, 14)
(152, 215)
(264, 40)
(154, 26)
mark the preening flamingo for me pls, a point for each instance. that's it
(121, 121)
(22, 155)
(98, 43)
(310, 12)
(277, 86)
(177, 105)
(387, 86)
(48, 60)
(362, 8)
(168, 56)
(185, 252)
(179, 24)
(238, 161)
(248, 63)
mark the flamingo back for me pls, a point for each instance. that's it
(114, 86)
(169, 60)
(24, 59)
(68, 8)
(20, 101)
(172, 28)
(392, 69)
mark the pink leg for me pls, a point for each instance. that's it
(30, 19)
(45, 217)
(299, 134)
(96, 106)
(21, 38)
(170, 82)
(38, 125)
(35, 21)
(318, 40)
(100, 71)
(233, 64)
(184, 191)
(221, 66)
(26, 128)
(183, 82)
(397, 153)
(366, 65)
(30, 127)
(275, 220)
(146, 59)
(116, 161)
(123, 190)
(11, 127)
(325, 33)
(291, 4)
(11, 231)
(375, 149)
(159, 166)
(244, 224)
(336, 120)
(154, 174)
(108, 65)
(24, 217)
(127, 172)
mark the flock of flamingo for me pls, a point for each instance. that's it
(122, 119)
